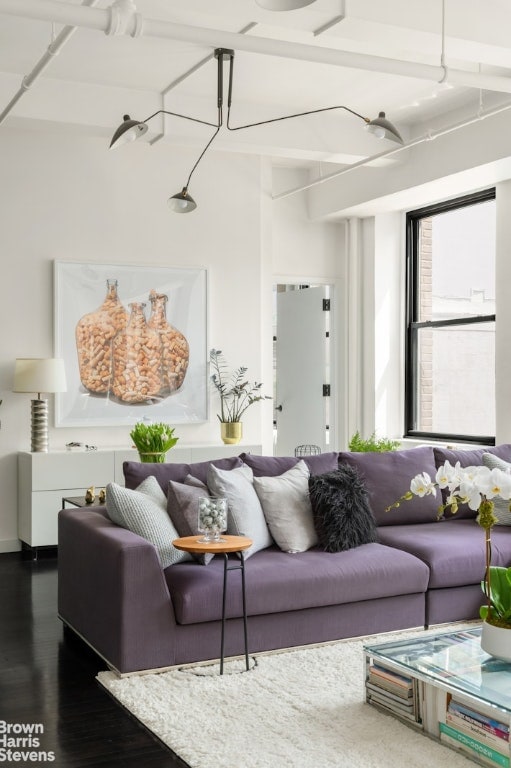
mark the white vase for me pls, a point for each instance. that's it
(496, 641)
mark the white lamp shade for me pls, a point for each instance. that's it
(39, 375)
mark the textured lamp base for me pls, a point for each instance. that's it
(39, 434)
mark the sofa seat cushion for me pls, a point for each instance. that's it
(452, 549)
(277, 581)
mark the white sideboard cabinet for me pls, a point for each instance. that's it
(45, 478)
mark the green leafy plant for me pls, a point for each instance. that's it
(152, 441)
(372, 444)
(236, 392)
(497, 588)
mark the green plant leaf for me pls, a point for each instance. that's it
(500, 594)
(372, 444)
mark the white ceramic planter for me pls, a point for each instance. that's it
(496, 641)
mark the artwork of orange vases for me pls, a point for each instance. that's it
(127, 358)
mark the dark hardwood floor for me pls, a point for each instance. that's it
(49, 679)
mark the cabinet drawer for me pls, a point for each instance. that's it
(67, 470)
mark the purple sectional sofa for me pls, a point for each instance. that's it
(114, 593)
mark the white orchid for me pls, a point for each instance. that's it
(422, 485)
(477, 487)
(466, 485)
(448, 476)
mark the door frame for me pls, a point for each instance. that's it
(338, 346)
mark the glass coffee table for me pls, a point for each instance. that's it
(445, 685)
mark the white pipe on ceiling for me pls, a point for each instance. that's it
(53, 50)
(101, 19)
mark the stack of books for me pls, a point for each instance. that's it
(475, 733)
(393, 691)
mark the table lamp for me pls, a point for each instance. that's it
(39, 375)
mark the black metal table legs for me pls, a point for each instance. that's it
(240, 567)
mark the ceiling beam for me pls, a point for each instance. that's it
(109, 21)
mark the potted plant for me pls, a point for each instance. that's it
(371, 444)
(152, 441)
(477, 486)
(236, 395)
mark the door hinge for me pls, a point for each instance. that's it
(326, 390)
(326, 305)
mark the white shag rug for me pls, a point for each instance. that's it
(296, 709)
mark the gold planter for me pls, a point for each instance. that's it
(231, 432)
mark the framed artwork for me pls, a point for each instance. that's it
(134, 343)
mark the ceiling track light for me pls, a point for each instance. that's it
(182, 202)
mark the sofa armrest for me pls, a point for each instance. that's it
(112, 591)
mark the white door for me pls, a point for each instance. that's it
(302, 369)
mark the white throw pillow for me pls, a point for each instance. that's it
(245, 517)
(287, 508)
(143, 513)
(501, 506)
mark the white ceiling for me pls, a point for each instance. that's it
(96, 78)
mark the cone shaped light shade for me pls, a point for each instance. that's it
(182, 202)
(383, 129)
(129, 130)
(283, 5)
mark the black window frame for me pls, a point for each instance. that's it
(413, 325)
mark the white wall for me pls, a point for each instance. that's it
(65, 197)
(503, 313)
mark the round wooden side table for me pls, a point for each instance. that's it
(227, 544)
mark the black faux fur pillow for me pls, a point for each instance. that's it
(342, 516)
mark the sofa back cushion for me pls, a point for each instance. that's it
(144, 512)
(387, 477)
(135, 471)
(245, 517)
(271, 466)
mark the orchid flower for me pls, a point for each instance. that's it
(422, 485)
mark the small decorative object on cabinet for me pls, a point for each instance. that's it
(477, 486)
(236, 395)
(152, 441)
(90, 494)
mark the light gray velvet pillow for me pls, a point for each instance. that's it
(183, 510)
(245, 516)
(287, 508)
(143, 512)
(501, 506)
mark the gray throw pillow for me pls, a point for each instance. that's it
(139, 512)
(183, 510)
(287, 508)
(501, 506)
(245, 517)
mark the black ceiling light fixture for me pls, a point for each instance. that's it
(182, 202)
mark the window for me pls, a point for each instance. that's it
(450, 351)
